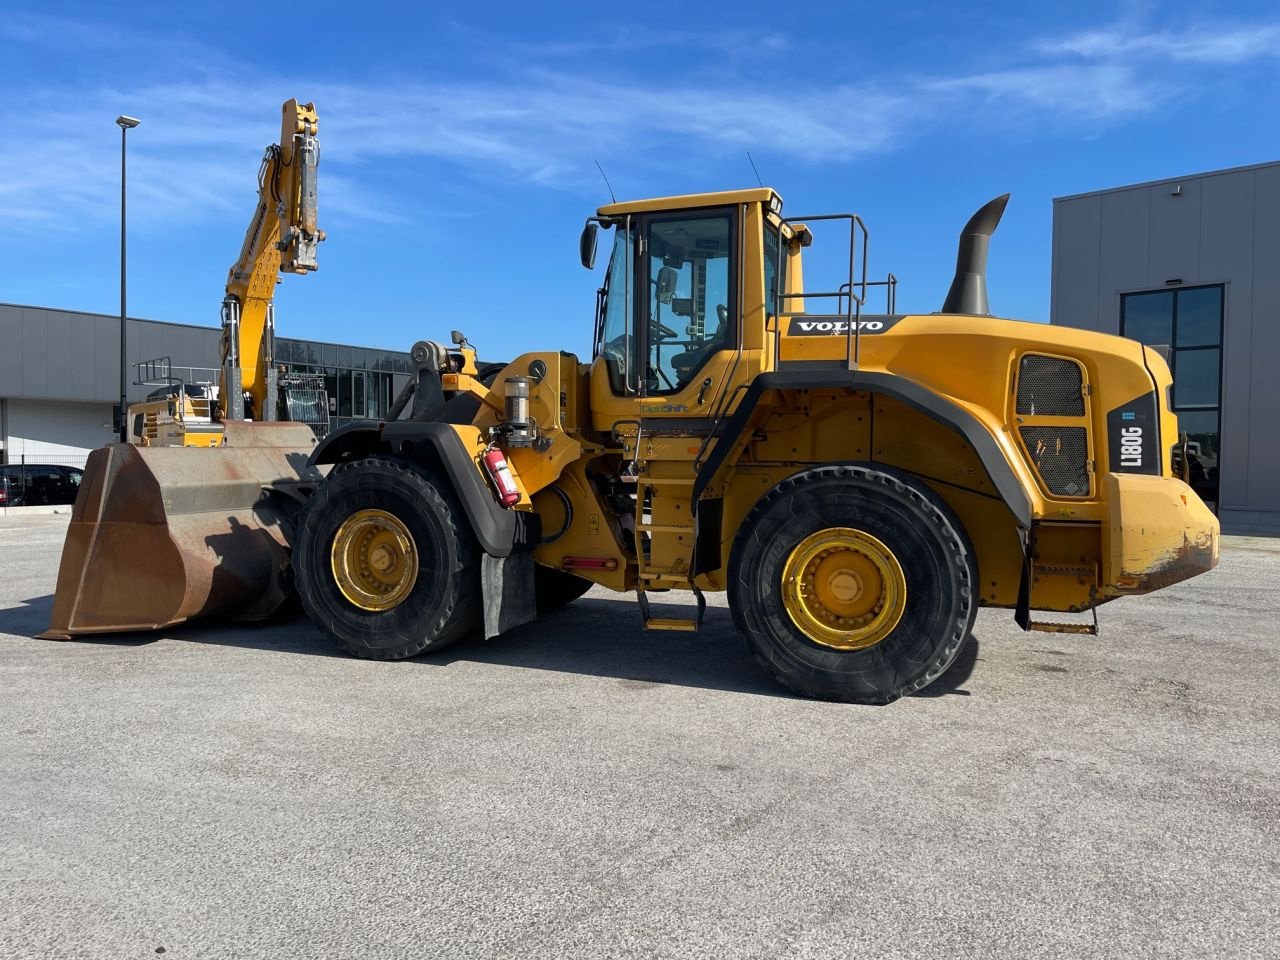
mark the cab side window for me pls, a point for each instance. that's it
(775, 279)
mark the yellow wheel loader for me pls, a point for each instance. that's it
(859, 483)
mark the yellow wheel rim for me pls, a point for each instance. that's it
(844, 588)
(375, 562)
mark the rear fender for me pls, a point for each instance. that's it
(818, 375)
(907, 391)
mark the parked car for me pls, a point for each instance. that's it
(31, 484)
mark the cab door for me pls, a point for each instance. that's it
(670, 329)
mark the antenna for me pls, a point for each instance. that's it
(753, 169)
(606, 181)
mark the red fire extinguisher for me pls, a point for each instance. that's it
(495, 464)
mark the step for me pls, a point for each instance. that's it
(671, 623)
(1084, 571)
(1046, 626)
(668, 481)
(681, 624)
(651, 579)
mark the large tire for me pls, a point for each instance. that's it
(556, 589)
(443, 604)
(925, 541)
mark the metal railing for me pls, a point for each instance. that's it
(890, 283)
(161, 371)
(184, 404)
(845, 292)
(154, 373)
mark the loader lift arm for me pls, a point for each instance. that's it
(282, 238)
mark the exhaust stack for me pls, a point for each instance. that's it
(968, 293)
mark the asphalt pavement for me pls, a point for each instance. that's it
(579, 788)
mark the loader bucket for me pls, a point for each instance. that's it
(162, 535)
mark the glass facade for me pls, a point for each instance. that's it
(361, 382)
(1188, 321)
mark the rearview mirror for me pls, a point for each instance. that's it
(666, 284)
(587, 244)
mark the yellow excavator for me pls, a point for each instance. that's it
(282, 237)
(177, 524)
(858, 483)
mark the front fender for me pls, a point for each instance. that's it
(501, 532)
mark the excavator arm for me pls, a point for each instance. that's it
(282, 238)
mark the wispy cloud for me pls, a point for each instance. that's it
(542, 121)
(1204, 43)
(1066, 93)
(631, 38)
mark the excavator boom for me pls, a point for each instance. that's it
(282, 237)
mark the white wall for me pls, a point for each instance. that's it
(53, 431)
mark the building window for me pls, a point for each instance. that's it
(357, 391)
(1187, 321)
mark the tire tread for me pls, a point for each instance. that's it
(752, 535)
(454, 618)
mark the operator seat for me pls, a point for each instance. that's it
(686, 363)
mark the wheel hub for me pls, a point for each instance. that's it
(844, 588)
(382, 558)
(374, 559)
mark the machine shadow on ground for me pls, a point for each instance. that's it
(31, 617)
(600, 638)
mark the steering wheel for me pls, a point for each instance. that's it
(660, 331)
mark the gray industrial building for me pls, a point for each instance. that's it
(1192, 263)
(60, 376)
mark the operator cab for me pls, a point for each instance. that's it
(668, 300)
(693, 286)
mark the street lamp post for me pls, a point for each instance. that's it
(126, 124)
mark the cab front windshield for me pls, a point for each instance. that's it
(613, 341)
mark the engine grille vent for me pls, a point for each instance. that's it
(1061, 454)
(1049, 387)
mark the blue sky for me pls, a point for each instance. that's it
(458, 140)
